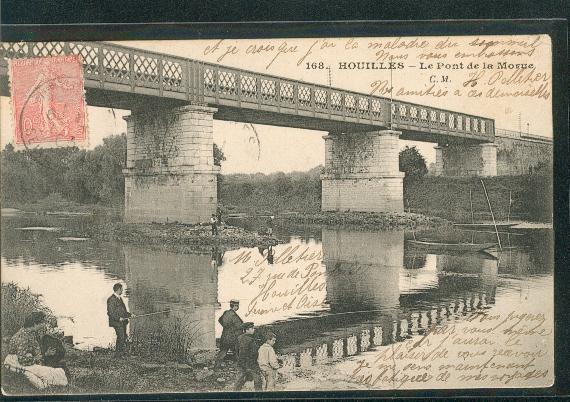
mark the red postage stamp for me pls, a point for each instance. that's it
(48, 102)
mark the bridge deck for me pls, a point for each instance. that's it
(119, 76)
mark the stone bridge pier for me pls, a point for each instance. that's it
(362, 172)
(170, 174)
(466, 160)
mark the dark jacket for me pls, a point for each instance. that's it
(247, 357)
(231, 322)
(54, 359)
(116, 310)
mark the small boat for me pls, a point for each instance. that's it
(476, 226)
(488, 255)
(465, 247)
(493, 232)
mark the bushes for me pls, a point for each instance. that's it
(17, 304)
(448, 197)
(298, 191)
(412, 163)
(92, 176)
(83, 176)
(166, 342)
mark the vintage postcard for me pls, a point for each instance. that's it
(306, 214)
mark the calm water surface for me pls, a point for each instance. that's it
(324, 286)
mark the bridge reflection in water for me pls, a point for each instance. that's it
(159, 281)
(377, 292)
(376, 298)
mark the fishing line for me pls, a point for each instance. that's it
(163, 312)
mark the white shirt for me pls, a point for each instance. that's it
(267, 358)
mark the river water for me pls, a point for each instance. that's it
(345, 288)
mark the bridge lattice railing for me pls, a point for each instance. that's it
(199, 81)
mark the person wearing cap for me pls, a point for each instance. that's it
(247, 359)
(231, 324)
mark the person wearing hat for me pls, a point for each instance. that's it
(247, 359)
(118, 318)
(231, 324)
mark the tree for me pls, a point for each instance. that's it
(412, 163)
(219, 156)
(106, 162)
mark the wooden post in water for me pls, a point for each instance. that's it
(509, 221)
(472, 216)
(492, 215)
(471, 202)
(509, 213)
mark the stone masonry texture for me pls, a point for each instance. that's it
(170, 174)
(468, 160)
(511, 154)
(361, 173)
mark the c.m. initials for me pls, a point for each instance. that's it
(441, 78)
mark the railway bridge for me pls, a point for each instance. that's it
(170, 173)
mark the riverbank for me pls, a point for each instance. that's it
(100, 372)
(363, 220)
(524, 197)
(105, 224)
(177, 236)
(527, 198)
(55, 204)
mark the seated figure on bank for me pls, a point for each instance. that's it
(37, 351)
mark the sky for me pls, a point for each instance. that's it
(287, 149)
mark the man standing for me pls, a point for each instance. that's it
(247, 359)
(231, 324)
(118, 318)
(214, 223)
(270, 226)
(219, 215)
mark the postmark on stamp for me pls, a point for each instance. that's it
(48, 102)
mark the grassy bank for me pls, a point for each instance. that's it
(177, 236)
(297, 191)
(363, 220)
(99, 371)
(56, 204)
(448, 197)
(106, 225)
(445, 197)
(144, 370)
(17, 304)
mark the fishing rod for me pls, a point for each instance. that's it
(144, 315)
(162, 312)
(169, 311)
(66, 317)
(492, 215)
